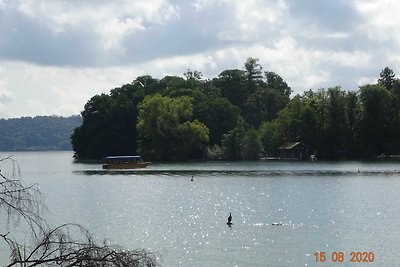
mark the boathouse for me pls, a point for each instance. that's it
(294, 151)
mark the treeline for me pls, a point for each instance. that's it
(37, 133)
(241, 114)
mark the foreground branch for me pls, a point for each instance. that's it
(66, 245)
(19, 201)
(59, 247)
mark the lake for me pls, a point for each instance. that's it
(320, 206)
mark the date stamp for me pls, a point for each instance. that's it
(340, 256)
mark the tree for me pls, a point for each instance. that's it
(109, 124)
(193, 87)
(232, 84)
(386, 78)
(337, 130)
(395, 118)
(58, 245)
(291, 122)
(253, 71)
(375, 122)
(148, 83)
(193, 75)
(270, 137)
(37, 133)
(232, 142)
(167, 131)
(274, 81)
(219, 115)
(263, 105)
(353, 111)
(88, 139)
(252, 146)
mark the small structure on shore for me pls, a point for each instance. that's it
(295, 151)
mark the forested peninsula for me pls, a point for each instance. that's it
(243, 114)
(37, 133)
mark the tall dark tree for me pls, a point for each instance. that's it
(375, 122)
(232, 142)
(109, 124)
(219, 115)
(253, 72)
(252, 147)
(150, 84)
(232, 84)
(276, 82)
(337, 123)
(193, 75)
(263, 105)
(253, 69)
(386, 77)
(353, 115)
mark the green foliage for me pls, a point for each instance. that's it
(270, 138)
(193, 75)
(252, 147)
(232, 142)
(232, 84)
(386, 77)
(291, 120)
(219, 115)
(189, 117)
(38, 133)
(148, 83)
(274, 81)
(253, 72)
(375, 121)
(167, 130)
(109, 124)
(263, 105)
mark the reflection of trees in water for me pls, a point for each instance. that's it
(64, 245)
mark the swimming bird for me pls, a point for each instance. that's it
(229, 219)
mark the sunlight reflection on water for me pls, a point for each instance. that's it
(282, 211)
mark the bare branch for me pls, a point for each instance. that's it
(65, 245)
(20, 201)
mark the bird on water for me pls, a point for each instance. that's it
(229, 219)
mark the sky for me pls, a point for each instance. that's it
(56, 54)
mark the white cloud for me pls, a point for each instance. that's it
(39, 90)
(366, 80)
(5, 95)
(111, 21)
(113, 31)
(200, 5)
(55, 55)
(252, 19)
(381, 19)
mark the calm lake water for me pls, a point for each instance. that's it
(331, 207)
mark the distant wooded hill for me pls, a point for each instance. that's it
(37, 133)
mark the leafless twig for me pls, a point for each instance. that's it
(65, 245)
